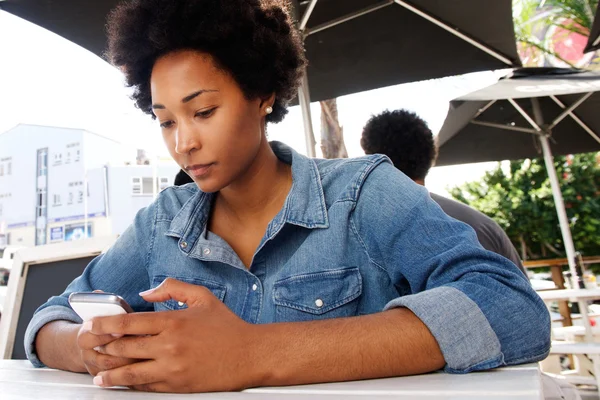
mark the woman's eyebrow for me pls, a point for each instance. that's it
(186, 98)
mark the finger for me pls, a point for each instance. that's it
(87, 340)
(172, 289)
(104, 362)
(147, 323)
(141, 373)
(140, 347)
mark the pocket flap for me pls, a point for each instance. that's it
(318, 292)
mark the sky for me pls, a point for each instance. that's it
(47, 80)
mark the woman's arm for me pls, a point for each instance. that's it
(56, 345)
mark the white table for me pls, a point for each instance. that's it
(19, 380)
(570, 294)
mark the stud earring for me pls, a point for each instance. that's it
(269, 110)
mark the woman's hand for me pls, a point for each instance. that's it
(203, 348)
(96, 362)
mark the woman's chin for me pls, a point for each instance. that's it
(207, 186)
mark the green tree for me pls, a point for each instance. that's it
(519, 198)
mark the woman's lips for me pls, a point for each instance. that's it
(199, 170)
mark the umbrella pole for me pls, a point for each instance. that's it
(558, 199)
(304, 100)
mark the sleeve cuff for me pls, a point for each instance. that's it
(462, 331)
(41, 318)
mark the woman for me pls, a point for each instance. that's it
(260, 264)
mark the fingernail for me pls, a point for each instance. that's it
(87, 326)
(98, 349)
(98, 380)
(147, 292)
(117, 335)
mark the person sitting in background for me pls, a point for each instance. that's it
(409, 143)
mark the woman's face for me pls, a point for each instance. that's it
(212, 131)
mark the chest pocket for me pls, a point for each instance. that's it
(319, 295)
(216, 288)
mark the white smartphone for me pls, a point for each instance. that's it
(91, 304)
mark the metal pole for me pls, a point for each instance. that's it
(85, 204)
(307, 14)
(505, 127)
(558, 199)
(304, 100)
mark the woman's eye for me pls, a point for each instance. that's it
(206, 113)
(166, 124)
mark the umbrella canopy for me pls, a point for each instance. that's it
(532, 110)
(485, 126)
(352, 45)
(593, 43)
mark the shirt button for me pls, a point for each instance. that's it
(180, 303)
(319, 303)
(206, 251)
(254, 287)
(183, 245)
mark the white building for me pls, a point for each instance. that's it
(43, 173)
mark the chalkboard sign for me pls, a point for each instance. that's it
(39, 273)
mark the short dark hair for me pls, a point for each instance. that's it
(254, 41)
(405, 138)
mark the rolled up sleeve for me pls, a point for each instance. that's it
(478, 305)
(462, 331)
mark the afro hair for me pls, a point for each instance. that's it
(404, 138)
(252, 40)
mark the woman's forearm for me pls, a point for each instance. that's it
(56, 346)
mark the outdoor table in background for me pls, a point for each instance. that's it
(19, 380)
(588, 347)
(556, 269)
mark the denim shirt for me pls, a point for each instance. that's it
(354, 237)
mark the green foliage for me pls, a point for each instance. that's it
(533, 16)
(520, 199)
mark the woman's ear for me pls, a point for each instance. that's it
(266, 102)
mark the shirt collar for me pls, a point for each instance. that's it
(304, 206)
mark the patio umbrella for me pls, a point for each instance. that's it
(351, 45)
(532, 110)
(593, 43)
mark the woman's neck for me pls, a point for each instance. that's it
(261, 191)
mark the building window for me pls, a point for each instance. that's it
(144, 185)
(163, 184)
(42, 162)
(136, 185)
(147, 187)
